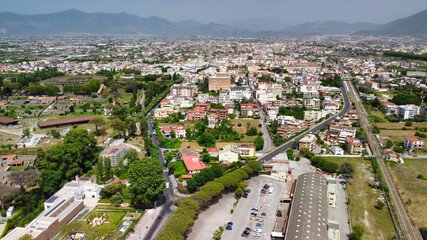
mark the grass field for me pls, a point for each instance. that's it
(412, 190)
(363, 198)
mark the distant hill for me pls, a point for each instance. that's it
(75, 21)
(413, 25)
(331, 27)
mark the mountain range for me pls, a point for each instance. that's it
(77, 22)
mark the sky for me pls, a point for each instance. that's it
(206, 11)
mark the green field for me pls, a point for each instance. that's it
(362, 200)
(413, 190)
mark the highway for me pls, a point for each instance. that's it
(313, 129)
(409, 230)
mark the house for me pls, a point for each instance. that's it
(247, 150)
(213, 152)
(354, 146)
(308, 141)
(114, 153)
(193, 164)
(230, 153)
(413, 144)
(249, 109)
(205, 106)
(160, 113)
(179, 130)
(212, 120)
(281, 170)
(408, 111)
(198, 114)
(390, 155)
(389, 108)
(123, 181)
(337, 150)
(312, 115)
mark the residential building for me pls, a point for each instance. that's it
(240, 93)
(183, 90)
(193, 164)
(312, 115)
(282, 171)
(160, 113)
(354, 146)
(337, 150)
(179, 130)
(308, 141)
(413, 144)
(249, 109)
(313, 103)
(198, 114)
(219, 113)
(213, 152)
(408, 111)
(212, 120)
(247, 150)
(390, 108)
(390, 155)
(114, 153)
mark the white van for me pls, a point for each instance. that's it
(167, 184)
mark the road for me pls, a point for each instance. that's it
(167, 201)
(268, 142)
(315, 128)
(409, 230)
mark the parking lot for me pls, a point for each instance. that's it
(266, 203)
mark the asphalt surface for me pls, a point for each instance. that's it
(167, 200)
(316, 128)
(409, 230)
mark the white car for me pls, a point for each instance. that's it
(258, 230)
(257, 234)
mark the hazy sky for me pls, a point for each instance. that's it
(289, 11)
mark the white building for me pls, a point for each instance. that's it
(413, 144)
(337, 150)
(240, 93)
(408, 111)
(60, 208)
(312, 115)
(230, 153)
(285, 119)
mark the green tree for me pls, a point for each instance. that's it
(259, 143)
(98, 122)
(278, 139)
(26, 132)
(131, 155)
(206, 140)
(71, 109)
(147, 183)
(55, 134)
(191, 185)
(118, 125)
(107, 169)
(172, 134)
(116, 199)
(239, 192)
(408, 123)
(252, 131)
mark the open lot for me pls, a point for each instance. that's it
(220, 213)
(397, 135)
(363, 199)
(413, 190)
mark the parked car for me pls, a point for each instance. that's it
(258, 224)
(158, 219)
(229, 226)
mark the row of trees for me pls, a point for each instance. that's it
(88, 88)
(183, 218)
(406, 55)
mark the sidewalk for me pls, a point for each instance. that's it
(143, 225)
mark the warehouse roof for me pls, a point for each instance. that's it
(67, 121)
(309, 212)
(7, 121)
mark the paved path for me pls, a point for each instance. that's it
(144, 224)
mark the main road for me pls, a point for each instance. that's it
(313, 129)
(409, 230)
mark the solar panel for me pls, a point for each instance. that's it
(54, 208)
(52, 199)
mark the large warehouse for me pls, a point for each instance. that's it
(65, 122)
(308, 218)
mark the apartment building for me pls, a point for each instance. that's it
(308, 141)
(114, 153)
(249, 109)
(312, 115)
(198, 114)
(354, 146)
(408, 111)
(413, 144)
(183, 90)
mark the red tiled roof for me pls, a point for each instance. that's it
(412, 139)
(212, 149)
(15, 162)
(6, 157)
(192, 162)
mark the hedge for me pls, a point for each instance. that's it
(183, 218)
